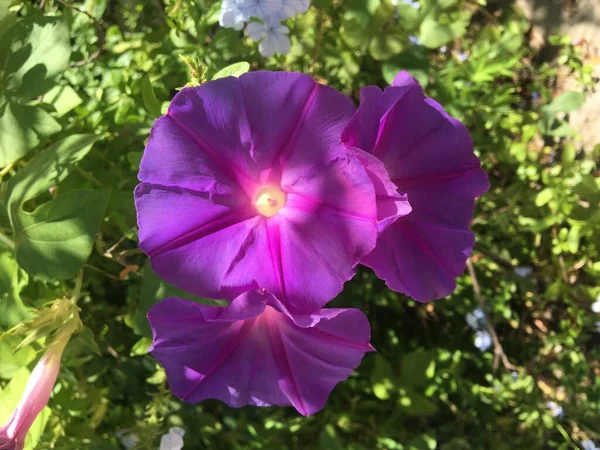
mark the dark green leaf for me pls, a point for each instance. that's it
(58, 237)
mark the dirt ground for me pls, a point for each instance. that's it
(580, 20)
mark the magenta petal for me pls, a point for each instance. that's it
(220, 147)
(429, 156)
(253, 352)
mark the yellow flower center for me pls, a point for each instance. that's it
(269, 201)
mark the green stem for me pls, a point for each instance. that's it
(7, 242)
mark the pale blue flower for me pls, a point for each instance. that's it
(290, 8)
(476, 319)
(555, 409)
(272, 37)
(463, 56)
(483, 340)
(173, 440)
(412, 3)
(523, 271)
(414, 40)
(588, 445)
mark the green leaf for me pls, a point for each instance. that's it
(12, 280)
(416, 63)
(153, 106)
(566, 102)
(45, 170)
(385, 46)
(63, 99)
(86, 336)
(40, 49)
(21, 130)
(382, 377)
(416, 404)
(153, 291)
(434, 34)
(233, 70)
(423, 442)
(10, 396)
(4, 4)
(544, 196)
(10, 361)
(328, 439)
(59, 235)
(141, 347)
(417, 367)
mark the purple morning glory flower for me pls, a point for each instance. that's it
(429, 156)
(256, 352)
(245, 182)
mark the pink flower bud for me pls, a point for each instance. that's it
(34, 399)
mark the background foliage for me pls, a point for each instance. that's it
(80, 86)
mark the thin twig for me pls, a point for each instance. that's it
(6, 170)
(499, 354)
(112, 277)
(318, 41)
(494, 257)
(100, 34)
(83, 11)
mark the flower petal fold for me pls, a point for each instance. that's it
(254, 352)
(429, 156)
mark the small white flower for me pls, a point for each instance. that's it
(173, 440)
(596, 305)
(555, 409)
(483, 340)
(476, 319)
(443, 49)
(272, 36)
(523, 271)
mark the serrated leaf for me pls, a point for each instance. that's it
(59, 234)
(233, 70)
(40, 49)
(22, 128)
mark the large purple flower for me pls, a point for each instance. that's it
(246, 181)
(428, 155)
(255, 352)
